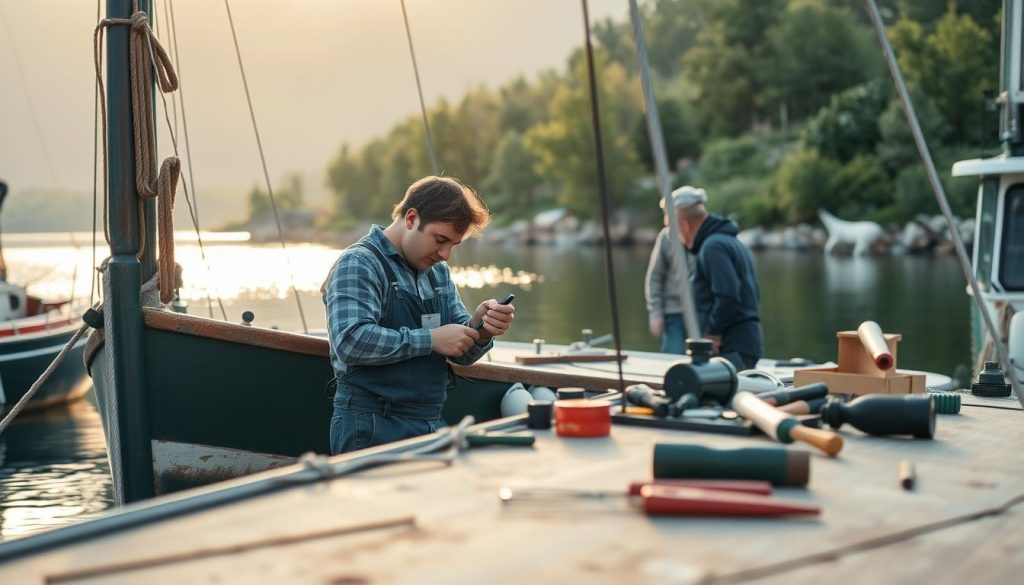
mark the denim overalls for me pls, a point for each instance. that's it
(374, 405)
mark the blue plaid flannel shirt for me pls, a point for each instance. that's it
(354, 297)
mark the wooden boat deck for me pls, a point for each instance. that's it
(426, 522)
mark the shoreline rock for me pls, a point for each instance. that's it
(559, 228)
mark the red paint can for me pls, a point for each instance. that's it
(583, 418)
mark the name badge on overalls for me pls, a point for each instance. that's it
(430, 320)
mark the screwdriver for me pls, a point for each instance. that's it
(753, 487)
(658, 499)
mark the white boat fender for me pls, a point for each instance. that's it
(542, 393)
(515, 400)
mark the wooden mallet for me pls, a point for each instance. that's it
(781, 426)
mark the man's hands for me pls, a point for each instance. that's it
(656, 324)
(496, 318)
(453, 339)
(716, 342)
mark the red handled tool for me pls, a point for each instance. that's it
(676, 498)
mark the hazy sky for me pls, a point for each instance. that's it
(321, 72)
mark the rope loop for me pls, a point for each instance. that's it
(146, 54)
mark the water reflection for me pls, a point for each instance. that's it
(54, 470)
(850, 276)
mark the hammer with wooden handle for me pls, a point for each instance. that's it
(781, 426)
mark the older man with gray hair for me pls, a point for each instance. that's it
(723, 280)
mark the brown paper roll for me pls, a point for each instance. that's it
(871, 336)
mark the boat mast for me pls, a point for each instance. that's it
(1011, 99)
(3, 265)
(128, 434)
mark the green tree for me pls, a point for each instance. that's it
(861, 187)
(731, 157)
(677, 128)
(806, 183)
(849, 125)
(564, 145)
(952, 66)
(287, 197)
(896, 148)
(722, 67)
(812, 52)
(671, 28)
(512, 181)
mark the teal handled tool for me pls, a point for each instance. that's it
(777, 465)
(521, 439)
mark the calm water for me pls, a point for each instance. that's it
(53, 467)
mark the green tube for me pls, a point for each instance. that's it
(946, 402)
(773, 464)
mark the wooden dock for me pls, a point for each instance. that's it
(430, 522)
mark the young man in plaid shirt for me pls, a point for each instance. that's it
(395, 317)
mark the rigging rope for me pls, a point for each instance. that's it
(660, 156)
(94, 283)
(193, 206)
(17, 408)
(263, 161)
(163, 186)
(172, 131)
(434, 166)
(602, 185)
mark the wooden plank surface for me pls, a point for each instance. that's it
(463, 534)
(500, 365)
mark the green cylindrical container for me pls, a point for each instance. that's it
(946, 402)
(775, 464)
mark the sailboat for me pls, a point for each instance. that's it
(32, 332)
(434, 509)
(188, 400)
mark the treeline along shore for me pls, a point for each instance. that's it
(778, 108)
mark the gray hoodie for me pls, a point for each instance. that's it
(661, 286)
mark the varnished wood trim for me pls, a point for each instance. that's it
(235, 333)
(503, 372)
(565, 359)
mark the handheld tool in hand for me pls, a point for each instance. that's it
(783, 427)
(659, 499)
(508, 299)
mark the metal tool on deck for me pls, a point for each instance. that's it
(659, 498)
(883, 414)
(701, 380)
(802, 407)
(786, 396)
(517, 439)
(991, 382)
(644, 395)
(779, 466)
(783, 427)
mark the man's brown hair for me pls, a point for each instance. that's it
(445, 200)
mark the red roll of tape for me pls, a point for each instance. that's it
(583, 418)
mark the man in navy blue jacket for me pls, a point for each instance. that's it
(724, 284)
